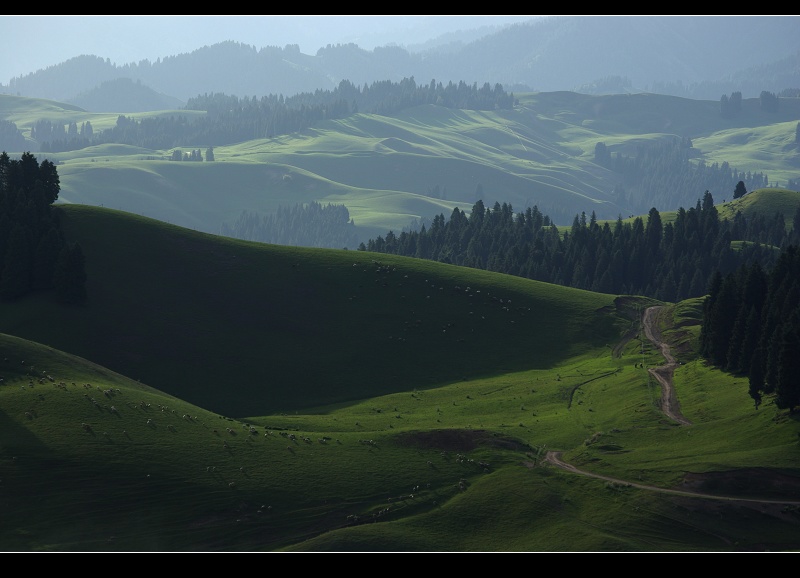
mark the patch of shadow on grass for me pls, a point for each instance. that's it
(458, 440)
(747, 482)
(612, 448)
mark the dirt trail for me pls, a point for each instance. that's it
(663, 373)
(670, 407)
(554, 458)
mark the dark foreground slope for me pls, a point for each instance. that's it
(93, 461)
(244, 328)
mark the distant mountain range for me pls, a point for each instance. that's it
(702, 57)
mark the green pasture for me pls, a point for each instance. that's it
(221, 395)
(385, 168)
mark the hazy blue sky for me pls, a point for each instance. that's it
(30, 43)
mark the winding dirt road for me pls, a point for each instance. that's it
(663, 373)
(670, 407)
(554, 458)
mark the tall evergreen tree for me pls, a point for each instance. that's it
(752, 331)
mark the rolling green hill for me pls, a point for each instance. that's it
(391, 170)
(187, 311)
(221, 395)
(766, 203)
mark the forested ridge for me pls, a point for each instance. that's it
(231, 119)
(592, 55)
(664, 173)
(671, 262)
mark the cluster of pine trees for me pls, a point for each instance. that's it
(11, 138)
(303, 225)
(751, 327)
(670, 262)
(34, 255)
(56, 136)
(663, 174)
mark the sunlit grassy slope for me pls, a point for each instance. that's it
(765, 203)
(216, 395)
(384, 168)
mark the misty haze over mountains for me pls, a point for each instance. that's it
(701, 57)
(129, 39)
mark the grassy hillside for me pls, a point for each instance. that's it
(25, 111)
(189, 313)
(384, 168)
(766, 203)
(261, 398)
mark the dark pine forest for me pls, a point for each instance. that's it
(670, 262)
(751, 326)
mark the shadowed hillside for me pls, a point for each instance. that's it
(189, 313)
